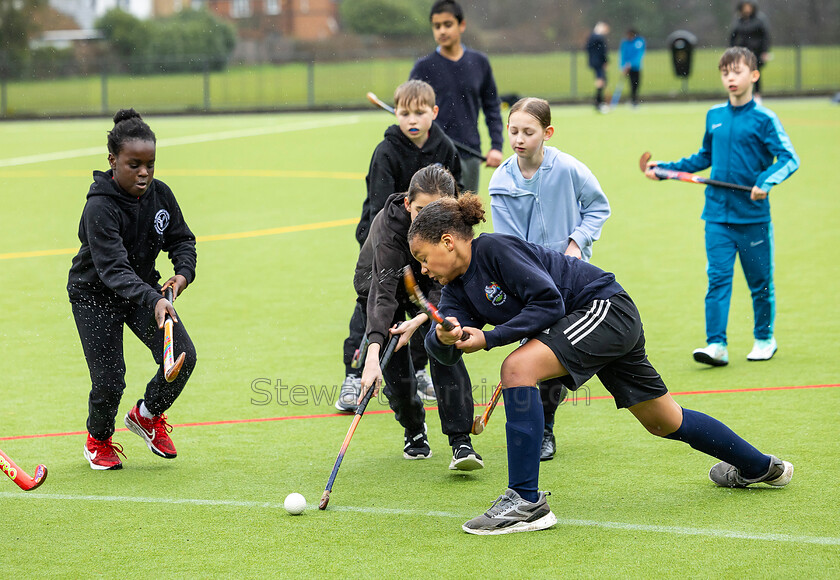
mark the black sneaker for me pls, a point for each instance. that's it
(549, 446)
(417, 446)
(510, 513)
(464, 458)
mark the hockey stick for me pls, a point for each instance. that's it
(479, 423)
(359, 355)
(685, 176)
(171, 367)
(616, 96)
(386, 107)
(360, 410)
(416, 295)
(19, 476)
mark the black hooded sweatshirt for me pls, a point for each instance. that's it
(379, 278)
(122, 236)
(395, 161)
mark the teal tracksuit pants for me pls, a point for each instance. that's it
(753, 245)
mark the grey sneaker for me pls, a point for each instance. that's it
(425, 387)
(510, 513)
(351, 388)
(778, 475)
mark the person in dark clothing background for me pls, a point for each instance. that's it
(128, 219)
(751, 30)
(463, 82)
(596, 48)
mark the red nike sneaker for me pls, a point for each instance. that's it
(155, 432)
(103, 454)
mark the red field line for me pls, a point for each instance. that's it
(326, 415)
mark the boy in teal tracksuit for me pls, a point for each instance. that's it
(742, 140)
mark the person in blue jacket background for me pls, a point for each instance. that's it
(744, 143)
(546, 197)
(632, 50)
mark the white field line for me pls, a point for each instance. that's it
(623, 526)
(189, 140)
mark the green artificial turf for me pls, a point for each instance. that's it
(271, 310)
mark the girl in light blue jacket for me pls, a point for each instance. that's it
(547, 197)
(541, 194)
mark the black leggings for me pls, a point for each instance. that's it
(452, 389)
(100, 320)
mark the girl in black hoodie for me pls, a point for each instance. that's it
(384, 300)
(129, 217)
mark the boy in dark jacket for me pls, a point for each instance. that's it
(415, 142)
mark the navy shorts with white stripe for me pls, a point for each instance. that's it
(606, 338)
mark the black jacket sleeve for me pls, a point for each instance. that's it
(382, 304)
(179, 241)
(381, 183)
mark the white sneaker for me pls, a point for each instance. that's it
(351, 388)
(425, 387)
(763, 349)
(715, 355)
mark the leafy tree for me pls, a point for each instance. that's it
(188, 40)
(388, 18)
(16, 26)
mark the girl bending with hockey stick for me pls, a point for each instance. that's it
(579, 322)
(129, 217)
(382, 295)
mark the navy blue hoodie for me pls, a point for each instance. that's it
(520, 287)
(121, 237)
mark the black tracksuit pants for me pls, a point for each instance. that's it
(99, 320)
(354, 339)
(452, 388)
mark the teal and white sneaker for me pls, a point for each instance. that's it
(715, 355)
(510, 513)
(778, 474)
(763, 349)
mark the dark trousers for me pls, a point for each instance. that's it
(452, 388)
(358, 321)
(635, 77)
(100, 320)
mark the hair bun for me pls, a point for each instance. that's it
(126, 114)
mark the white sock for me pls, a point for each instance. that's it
(144, 412)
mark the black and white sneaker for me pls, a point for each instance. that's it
(549, 446)
(417, 446)
(464, 458)
(511, 513)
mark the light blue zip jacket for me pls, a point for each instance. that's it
(740, 145)
(562, 200)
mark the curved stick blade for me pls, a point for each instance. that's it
(477, 426)
(643, 161)
(40, 476)
(325, 499)
(171, 373)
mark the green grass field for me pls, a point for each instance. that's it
(273, 200)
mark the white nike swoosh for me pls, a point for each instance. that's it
(754, 244)
(93, 455)
(716, 125)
